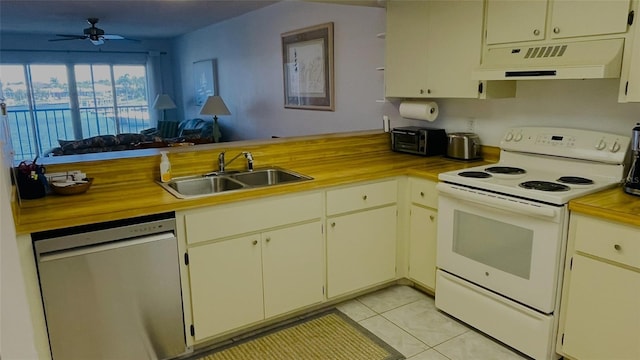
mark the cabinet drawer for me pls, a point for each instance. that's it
(608, 240)
(234, 219)
(361, 197)
(423, 192)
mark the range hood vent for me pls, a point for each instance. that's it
(576, 60)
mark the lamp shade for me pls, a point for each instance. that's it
(214, 106)
(163, 102)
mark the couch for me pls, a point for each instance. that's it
(167, 133)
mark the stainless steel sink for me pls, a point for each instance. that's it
(266, 177)
(215, 183)
(195, 186)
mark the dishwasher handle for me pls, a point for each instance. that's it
(63, 254)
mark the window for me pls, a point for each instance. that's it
(52, 102)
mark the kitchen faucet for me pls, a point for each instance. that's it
(222, 165)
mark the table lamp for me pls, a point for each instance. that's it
(215, 106)
(163, 102)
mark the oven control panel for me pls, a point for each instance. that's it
(574, 143)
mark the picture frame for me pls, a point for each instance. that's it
(307, 63)
(205, 79)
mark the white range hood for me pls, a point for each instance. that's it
(597, 59)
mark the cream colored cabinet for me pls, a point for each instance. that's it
(600, 316)
(292, 268)
(361, 236)
(422, 246)
(630, 78)
(432, 48)
(244, 280)
(253, 260)
(423, 232)
(513, 21)
(530, 20)
(223, 275)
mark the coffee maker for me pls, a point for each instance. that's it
(632, 183)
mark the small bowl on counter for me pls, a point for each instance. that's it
(71, 187)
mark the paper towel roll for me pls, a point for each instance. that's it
(420, 110)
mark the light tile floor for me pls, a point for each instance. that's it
(408, 320)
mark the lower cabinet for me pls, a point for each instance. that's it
(244, 280)
(423, 232)
(222, 274)
(600, 316)
(361, 250)
(422, 246)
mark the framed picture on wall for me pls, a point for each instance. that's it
(205, 78)
(307, 62)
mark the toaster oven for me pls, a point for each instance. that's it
(419, 140)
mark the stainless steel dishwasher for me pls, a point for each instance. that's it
(112, 290)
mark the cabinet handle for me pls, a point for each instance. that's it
(421, 193)
(364, 197)
(556, 30)
(431, 217)
(421, 91)
(428, 91)
(268, 239)
(617, 247)
(333, 224)
(536, 32)
(255, 242)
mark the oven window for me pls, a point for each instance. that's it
(502, 246)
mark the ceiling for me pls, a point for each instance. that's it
(133, 18)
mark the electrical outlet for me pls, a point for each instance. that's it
(471, 125)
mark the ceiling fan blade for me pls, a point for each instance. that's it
(69, 37)
(112, 37)
(118, 37)
(100, 41)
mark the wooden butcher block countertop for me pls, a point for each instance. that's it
(612, 204)
(126, 187)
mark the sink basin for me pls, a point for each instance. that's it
(215, 182)
(200, 186)
(270, 176)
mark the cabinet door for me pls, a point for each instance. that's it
(454, 45)
(226, 285)
(361, 250)
(293, 268)
(570, 18)
(422, 246)
(512, 21)
(602, 313)
(405, 71)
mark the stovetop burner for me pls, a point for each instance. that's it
(575, 180)
(475, 174)
(506, 170)
(544, 186)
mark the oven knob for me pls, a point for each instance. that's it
(509, 136)
(601, 144)
(615, 147)
(518, 137)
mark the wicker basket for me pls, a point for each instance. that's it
(72, 189)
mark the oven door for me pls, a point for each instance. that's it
(510, 246)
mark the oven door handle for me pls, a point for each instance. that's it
(496, 201)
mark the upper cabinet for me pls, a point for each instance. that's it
(517, 21)
(514, 21)
(432, 48)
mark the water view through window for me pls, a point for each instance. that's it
(47, 103)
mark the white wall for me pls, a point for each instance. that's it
(248, 51)
(249, 57)
(16, 330)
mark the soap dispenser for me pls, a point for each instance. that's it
(165, 167)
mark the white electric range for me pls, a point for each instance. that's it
(502, 230)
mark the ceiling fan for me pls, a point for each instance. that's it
(93, 34)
